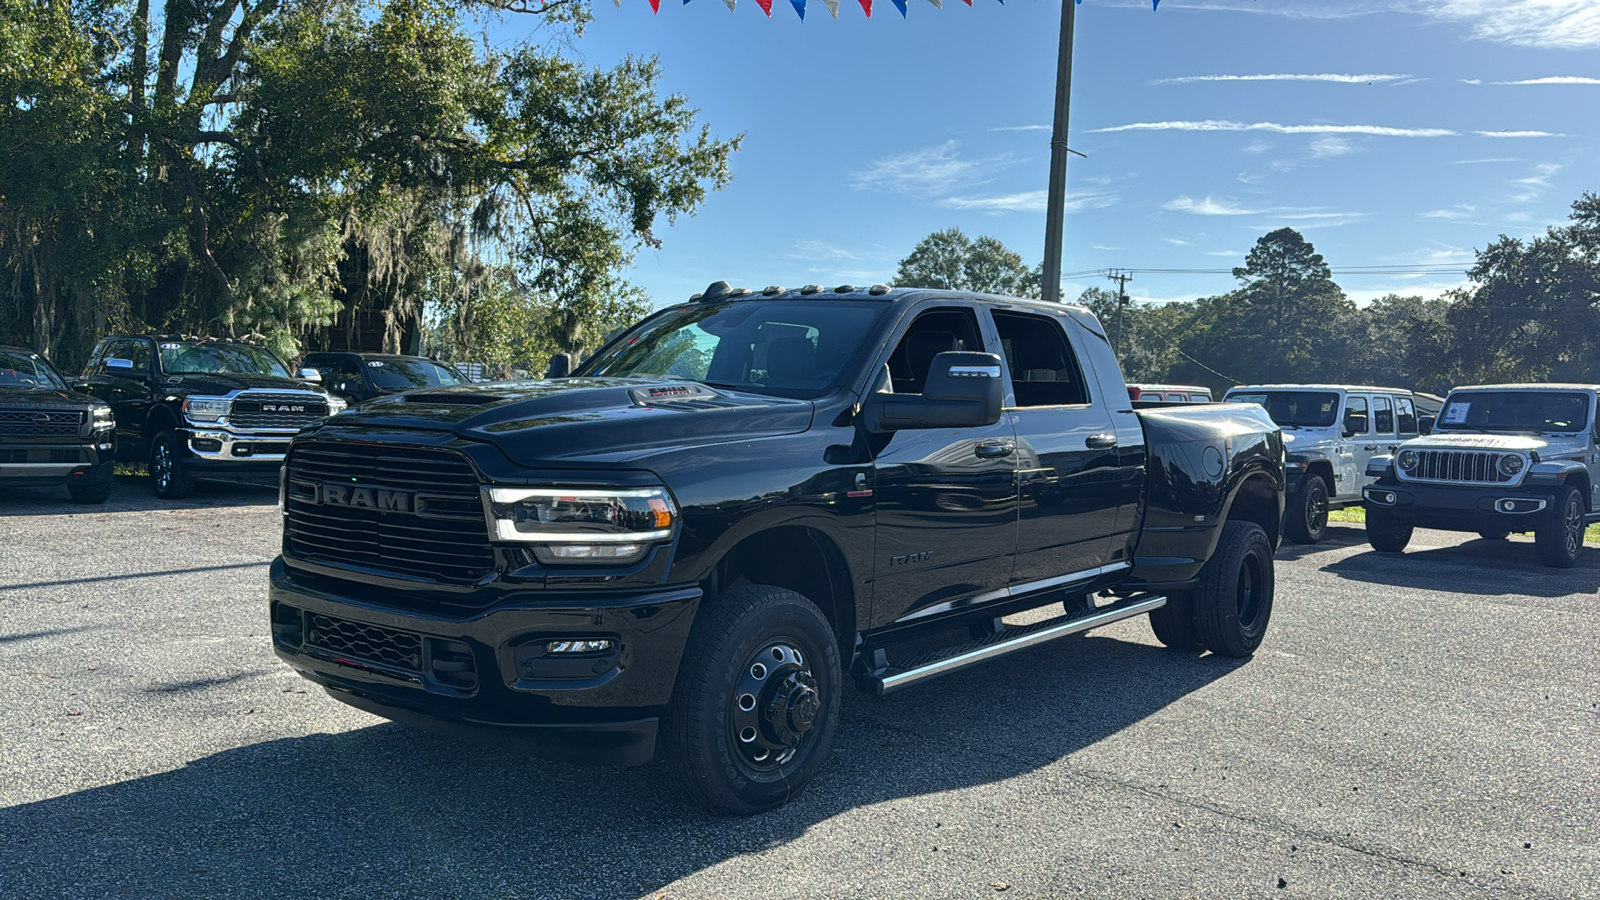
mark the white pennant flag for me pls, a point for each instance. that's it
(937, 3)
(618, 3)
(833, 7)
(730, 4)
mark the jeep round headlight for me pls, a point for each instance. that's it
(1407, 460)
(1510, 465)
(202, 409)
(593, 525)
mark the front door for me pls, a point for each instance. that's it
(122, 378)
(946, 498)
(1355, 426)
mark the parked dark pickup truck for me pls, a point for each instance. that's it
(746, 499)
(49, 433)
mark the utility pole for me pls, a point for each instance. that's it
(1121, 278)
(1055, 212)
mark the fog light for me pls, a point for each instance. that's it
(611, 553)
(1508, 506)
(595, 645)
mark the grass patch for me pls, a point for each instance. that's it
(1356, 515)
(132, 470)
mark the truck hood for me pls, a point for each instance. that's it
(219, 383)
(1547, 446)
(586, 420)
(16, 395)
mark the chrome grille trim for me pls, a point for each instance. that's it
(1459, 467)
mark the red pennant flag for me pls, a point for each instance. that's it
(766, 7)
(656, 5)
(867, 5)
(968, 2)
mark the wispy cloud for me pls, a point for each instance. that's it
(1506, 133)
(1560, 24)
(1452, 214)
(822, 251)
(934, 170)
(1306, 216)
(1022, 128)
(1028, 201)
(1336, 79)
(1533, 186)
(1330, 145)
(1277, 128)
(1234, 253)
(1179, 242)
(1474, 162)
(1207, 207)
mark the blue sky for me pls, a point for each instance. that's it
(1389, 132)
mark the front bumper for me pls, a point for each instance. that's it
(1461, 507)
(55, 462)
(489, 674)
(224, 447)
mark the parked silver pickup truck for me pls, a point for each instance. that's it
(1503, 458)
(1330, 431)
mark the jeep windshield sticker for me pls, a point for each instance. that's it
(1457, 413)
(376, 363)
(171, 346)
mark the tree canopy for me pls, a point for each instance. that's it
(284, 168)
(951, 260)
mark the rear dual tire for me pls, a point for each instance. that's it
(1228, 611)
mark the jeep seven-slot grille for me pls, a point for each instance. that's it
(358, 505)
(366, 643)
(40, 422)
(1463, 466)
(257, 410)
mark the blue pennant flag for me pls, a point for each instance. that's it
(799, 7)
(900, 5)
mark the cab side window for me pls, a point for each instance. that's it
(1382, 415)
(1356, 419)
(1044, 371)
(1407, 415)
(139, 352)
(931, 333)
(118, 349)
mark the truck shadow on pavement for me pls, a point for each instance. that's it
(1476, 566)
(388, 811)
(132, 494)
(1336, 537)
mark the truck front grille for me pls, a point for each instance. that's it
(40, 422)
(411, 511)
(254, 409)
(1459, 466)
(365, 643)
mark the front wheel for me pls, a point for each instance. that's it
(756, 702)
(169, 473)
(93, 488)
(1385, 532)
(1233, 601)
(1559, 539)
(1307, 518)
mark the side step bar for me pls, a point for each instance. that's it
(1010, 640)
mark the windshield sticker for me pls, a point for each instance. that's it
(172, 346)
(1457, 413)
(376, 363)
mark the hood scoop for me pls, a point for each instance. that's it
(463, 399)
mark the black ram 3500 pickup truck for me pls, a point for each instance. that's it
(744, 500)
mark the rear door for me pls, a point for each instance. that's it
(1070, 490)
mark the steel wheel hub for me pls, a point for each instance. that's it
(163, 466)
(774, 706)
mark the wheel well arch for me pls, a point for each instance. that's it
(159, 420)
(801, 559)
(1580, 480)
(1321, 467)
(1256, 500)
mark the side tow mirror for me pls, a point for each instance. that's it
(560, 366)
(1425, 424)
(313, 375)
(962, 391)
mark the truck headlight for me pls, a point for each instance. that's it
(102, 418)
(1407, 460)
(336, 405)
(201, 409)
(594, 525)
(1510, 465)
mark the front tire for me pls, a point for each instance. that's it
(1559, 539)
(1385, 532)
(1233, 602)
(757, 700)
(169, 474)
(1307, 519)
(94, 488)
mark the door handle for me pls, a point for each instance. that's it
(994, 449)
(1370, 447)
(1100, 441)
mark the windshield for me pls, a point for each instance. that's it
(1295, 409)
(187, 358)
(27, 370)
(1525, 411)
(405, 374)
(785, 348)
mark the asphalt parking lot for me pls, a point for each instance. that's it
(1423, 726)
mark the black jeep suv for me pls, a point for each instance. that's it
(200, 408)
(49, 433)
